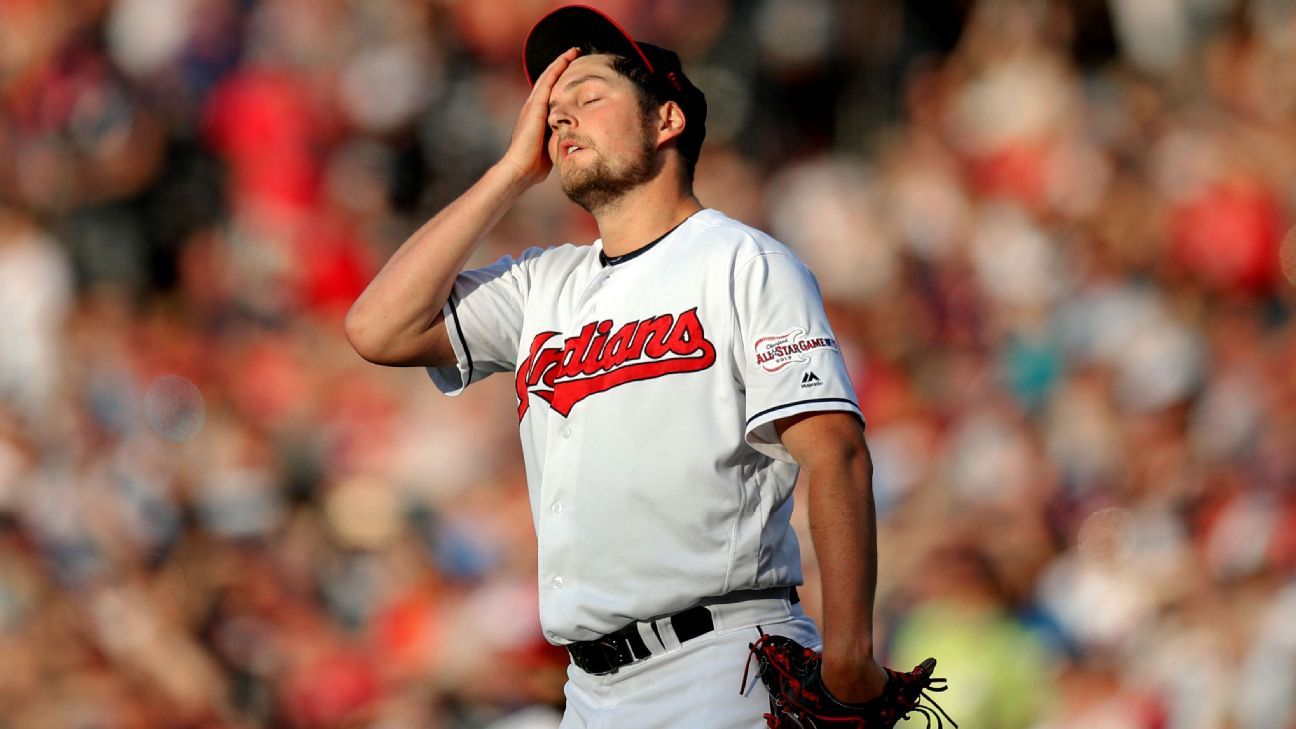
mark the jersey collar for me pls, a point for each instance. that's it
(607, 260)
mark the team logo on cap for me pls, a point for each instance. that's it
(775, 353)
(598, 359)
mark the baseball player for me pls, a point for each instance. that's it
(672, 378)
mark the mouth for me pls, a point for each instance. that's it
(568, 147)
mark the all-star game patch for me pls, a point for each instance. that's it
(775, 353)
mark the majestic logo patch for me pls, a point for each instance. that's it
(810, 379)
(597, 360)
(775, 353)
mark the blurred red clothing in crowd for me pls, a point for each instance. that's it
(1227, 236)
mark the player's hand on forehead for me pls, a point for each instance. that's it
(545, 82)
(526, 153)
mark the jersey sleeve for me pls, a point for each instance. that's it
(484, 321)
(790, 360)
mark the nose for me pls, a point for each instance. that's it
(559, 115)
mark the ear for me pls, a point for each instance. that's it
(670, 122)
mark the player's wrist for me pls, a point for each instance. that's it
(511, 177)
(853, 681)
(843, 661)
(848, 644)
(509, 171)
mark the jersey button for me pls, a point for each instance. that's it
(566, 431)
(557, 507)
(557, 583)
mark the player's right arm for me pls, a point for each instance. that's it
(398, 319)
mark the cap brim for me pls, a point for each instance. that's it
(574, 26)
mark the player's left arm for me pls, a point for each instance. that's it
(830, 448)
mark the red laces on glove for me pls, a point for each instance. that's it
(799, 700)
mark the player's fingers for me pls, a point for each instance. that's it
(544, 83)
(536, 108)
(528, 148)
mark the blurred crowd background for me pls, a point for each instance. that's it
(1052, 236)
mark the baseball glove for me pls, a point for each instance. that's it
(799, 700)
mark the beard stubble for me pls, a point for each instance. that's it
(601, 184)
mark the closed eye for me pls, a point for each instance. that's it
(589, 101)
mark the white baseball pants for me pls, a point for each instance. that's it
(691, 686)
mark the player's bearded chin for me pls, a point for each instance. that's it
(601, 183)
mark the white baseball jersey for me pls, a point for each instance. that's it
(647, 390)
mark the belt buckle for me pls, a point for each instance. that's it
(617, 653)
(603, 656)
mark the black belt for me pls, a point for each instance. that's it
(610, 652)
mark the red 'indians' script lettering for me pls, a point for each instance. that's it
(599, 359)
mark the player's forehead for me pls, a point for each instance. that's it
(597, 68)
